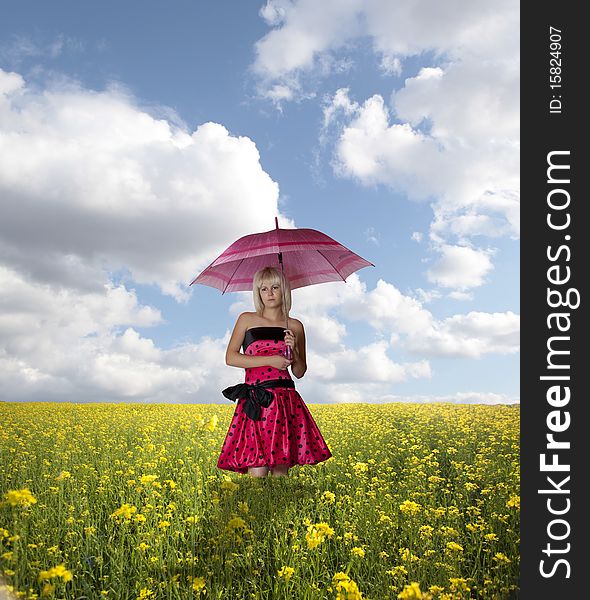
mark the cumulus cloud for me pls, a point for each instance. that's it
(92, 187)
(472, 184)
(61, 344)
(449, 134)
(397, 317)
(304, 32)
(91, 177)
(301, 33)
(460, 267)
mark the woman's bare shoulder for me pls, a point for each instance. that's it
(246, 318)
(295, 324)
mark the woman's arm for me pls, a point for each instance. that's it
(299, 364)
(234, 358)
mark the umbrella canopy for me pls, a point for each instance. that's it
(307, 256)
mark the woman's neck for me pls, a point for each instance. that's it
(274, 315)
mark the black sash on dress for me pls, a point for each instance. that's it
(256, 395)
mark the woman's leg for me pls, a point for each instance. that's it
(258, 471)
(280, 471)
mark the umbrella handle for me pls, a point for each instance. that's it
(288, 353)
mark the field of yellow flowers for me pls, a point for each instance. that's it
(125, 502)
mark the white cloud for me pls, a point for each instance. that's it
(470, 335)
(65, 345)
(62, 344)
(472, 181)
(402, 319)
(460, 267)
(92, 178)
(451, 134)
(405, 320)
(93, 186)
(304, 32)
(369, 363)
(304, 29)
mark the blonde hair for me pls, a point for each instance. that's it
(272, 276)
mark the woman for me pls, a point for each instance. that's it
(272, 428)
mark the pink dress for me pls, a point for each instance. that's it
(286, 433)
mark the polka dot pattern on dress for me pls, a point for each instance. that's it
(286, 433)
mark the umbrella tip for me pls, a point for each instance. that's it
(276, 222)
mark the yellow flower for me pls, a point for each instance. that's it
(407, 556)
(286, 573)
(198, 584)
(410, 508)
(236, 523)
(513, 502)
(229, 486)
(426, 531)
(328, 497)
(163, 524)
(146, 480)
(360, 467)
(358, 552)
(63, 475)
(212, 423)
(398, 570)
(346, 588)
(58, 571)
(125, 511)
(145, 593)
(411, 592)
(317, 533)
(48, 588)
(170, 483)
(143, 547)
(22, 498)
(501, 559)
(454, 547)
(458, 584)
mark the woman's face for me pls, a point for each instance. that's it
(270, 293)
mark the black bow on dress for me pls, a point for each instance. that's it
(256, 395)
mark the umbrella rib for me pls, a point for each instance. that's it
(330, 263)
(231, 277)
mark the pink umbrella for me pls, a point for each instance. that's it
(306, 256)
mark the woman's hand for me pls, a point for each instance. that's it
(291, 340)
(279, 362)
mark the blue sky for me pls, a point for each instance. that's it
(139, 139)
